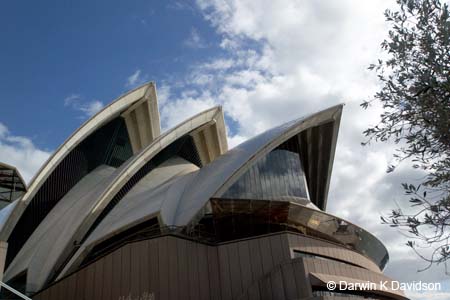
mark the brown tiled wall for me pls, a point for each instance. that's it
(290, 280)
(171, 267)
(312, 245)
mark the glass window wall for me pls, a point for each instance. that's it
(277, 175)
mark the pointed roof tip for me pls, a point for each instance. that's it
(335, 110)
(8, 166)
(147, 84)
(16, 170)
(339, 106)
(150, 83)
(217, 107)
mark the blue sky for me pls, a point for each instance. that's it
(265, 61)
(56, 49)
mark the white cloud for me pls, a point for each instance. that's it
(91, 108)
(194, 40)
(235, 140)
(71, 99)
(3, 130)
(218, 64)
(307, 55)
(21, 152)
(180, 5)
(175, 111)
(88, 108)
(135, 79)
(163, 94)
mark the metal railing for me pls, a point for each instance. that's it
(14, 291)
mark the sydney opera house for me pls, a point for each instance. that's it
(124, 211)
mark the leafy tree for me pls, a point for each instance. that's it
(414, 73)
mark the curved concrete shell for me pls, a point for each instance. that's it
(117, 191)
(45, 193)
(75, 215)
(146, 92)
(207, 128)
(213, 180)
(59, 227)
(187, 193)
(12, 185)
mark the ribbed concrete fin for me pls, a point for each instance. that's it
(142, 120)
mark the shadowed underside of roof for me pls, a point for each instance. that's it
(103, 139)
(216, 178)
(203, 135)
(200, 140)
(12, 185)
(191, 192)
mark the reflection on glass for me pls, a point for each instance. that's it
(273, 215)
(278, 174)
(338, 230)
